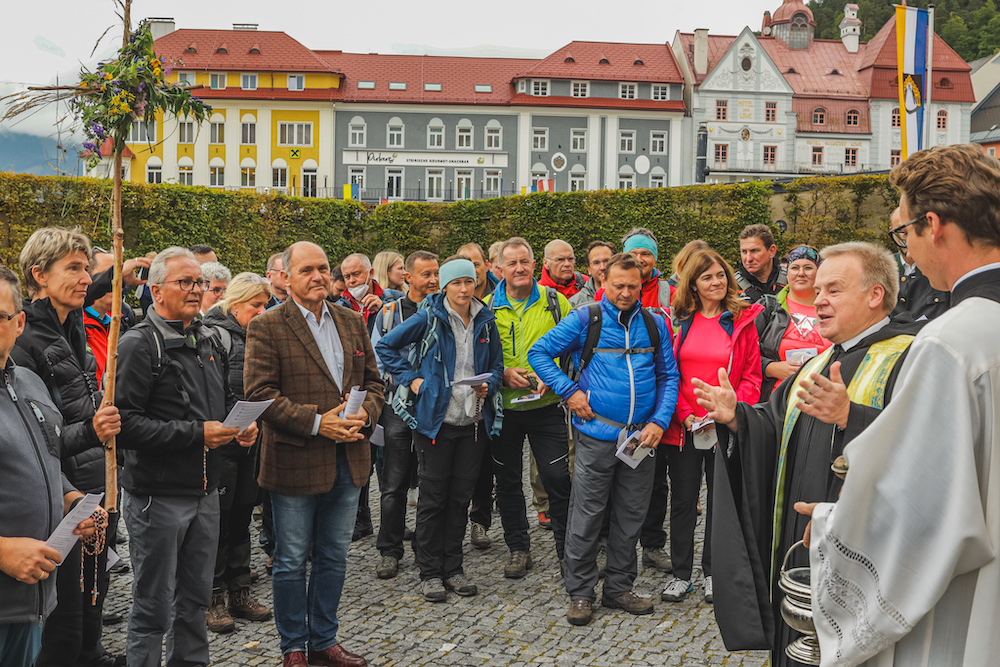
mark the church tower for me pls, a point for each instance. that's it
(850, 28)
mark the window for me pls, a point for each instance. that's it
(626, 180)
(746, 64)
(577, 182)
(626, 141)
(853, 118)
(721, 156)
(483, 88)
(522, 86)
(463, 184)
(309, 181)
(895, 157)
(295, 134)
(540, 88)
(248, 133)
(819, 116)
(435, 184)
(185, 175)
(279, 177)
(357, 135)
(217, 132)
(770, 156)
(658, 142)
(435, 134)
(432, 87)
(538, 175)
(142, 132)
(817, 156)
(721, 110)
(991, 151)
(942, 120)
(850, 157)
(249, 82)
(394, 183)
(626, 91)
(154, 173)
(539, 138)
(185, 132)
(895, 118)
(463, 137)
(357, 175)
(657, 180)
(296, 82)
(661, 92)
(397, 85)
(185, 78)
(578, 140)
(770, 112)
(492, 182)
(366, 85)
(217, 81)
(581, 89)
(248, 177)
(494, 135)
(799, 32)
(395, 136)
(217, 177)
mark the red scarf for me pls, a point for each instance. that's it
(356, 306)
(566, 290)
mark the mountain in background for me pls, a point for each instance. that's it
(971, 27)
(31, 154)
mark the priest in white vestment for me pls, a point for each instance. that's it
(904, 565)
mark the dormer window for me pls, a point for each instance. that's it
(945, 83)
(191, 49)
(255, 50)
(569, 59)
(604, 61)
(819, 116)
(222, 49)
(791, 70)
(638, 62)
(853, 118)
(834, 72)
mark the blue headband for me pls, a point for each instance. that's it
(456, 268)
(641, 241)
(804, 252)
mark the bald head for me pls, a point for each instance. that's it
(287, 256)
(559, 260)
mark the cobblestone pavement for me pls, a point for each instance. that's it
(511, 622)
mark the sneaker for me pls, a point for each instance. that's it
(387, 567)
(630, 602)
(676, 590)
(602, 559)
(243, 605)
(218, 616)
(433, 590)
(709, 597)
(581, 611)
(544, 521)
(658, 558)
(461, 585)
(478, 536)
(518, 565)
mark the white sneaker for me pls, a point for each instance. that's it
(709, 598)
(676, 590)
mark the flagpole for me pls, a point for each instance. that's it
(929, 79)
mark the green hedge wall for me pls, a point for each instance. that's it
(246, 228)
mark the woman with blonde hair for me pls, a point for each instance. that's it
(715, 334)
(389, 271)
(246, 297)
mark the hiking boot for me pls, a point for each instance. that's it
(243, 605)
(461, 585)
(544, 521)
(581, 611)
(478, 536)
(518, 565)
(387, 567)
(676, 590)
(433, 590)
(602, 559)
(630, 602)
(658, 558)
(218, 616)
(709, 596)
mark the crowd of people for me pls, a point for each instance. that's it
(632, 389)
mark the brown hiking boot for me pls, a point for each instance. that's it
(243, 605)
(630, 602)
(218, 616)
(518, 565)
(581, 611)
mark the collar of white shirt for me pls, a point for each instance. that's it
(848, 344)
(312, 319)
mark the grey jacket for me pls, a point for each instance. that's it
(31, 484)
(587, 294)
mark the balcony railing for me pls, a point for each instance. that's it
(788, 167)
(376, 195)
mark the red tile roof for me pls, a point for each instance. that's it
(658, 63)
(717, 47)
(278, 51)
(790, 8)
(521, 99)
(458, 77)
(814, 66)
(835, 114)
(882, 52)
(107, 149)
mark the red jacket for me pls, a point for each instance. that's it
(567, 290)
(348, 301)
(97, 341)
(650, 294)
(744, 372)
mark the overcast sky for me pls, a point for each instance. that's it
(46, 38)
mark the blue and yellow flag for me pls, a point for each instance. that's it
(911, 66)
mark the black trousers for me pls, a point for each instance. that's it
(398, 463)
(72, 633)
(448, 467)
(653, 536)
(238, 494)
(685, 472)
(545, 429)
(482, 496)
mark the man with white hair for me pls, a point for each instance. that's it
(218, 277)
(559, 269)
(363, 294)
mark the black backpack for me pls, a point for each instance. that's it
(590, 348)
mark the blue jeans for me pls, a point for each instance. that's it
(19, 643)
(324, 521)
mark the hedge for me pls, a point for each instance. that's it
(245, 228)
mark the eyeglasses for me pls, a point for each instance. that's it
(4, 317)
(898, 236)
(217, 291)
(187, 284)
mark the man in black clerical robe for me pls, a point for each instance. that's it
(779, 452)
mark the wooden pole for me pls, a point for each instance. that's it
(110, 451)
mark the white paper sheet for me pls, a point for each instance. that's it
(113, 558)
(527, 398)
(62, 538)
(704, 434)
(474, 380)
(378, 436)
(631, 452)
(354, 401)
(245, 413)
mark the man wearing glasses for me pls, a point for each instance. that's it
(173, 393)
(559, 269)
(218, 277)
(916, 296)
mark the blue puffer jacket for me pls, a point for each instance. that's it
(438, 365)
(624, 388)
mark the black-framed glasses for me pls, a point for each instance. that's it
(4, 317)
(187, 284)
(898, 236)
(217, 291)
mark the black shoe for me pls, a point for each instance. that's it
(108, 660)
(408, 534)
(362, 530)
(121, 567)
(111, 618)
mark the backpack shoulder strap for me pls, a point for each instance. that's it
(158, 359)
(664, 295)
(552, 297)
(593, 314)
(651, 329)
(388, 317)
(225, 339)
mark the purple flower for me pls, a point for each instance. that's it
(90, 146)
(142, 84)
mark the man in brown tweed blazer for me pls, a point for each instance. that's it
(306, 355)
